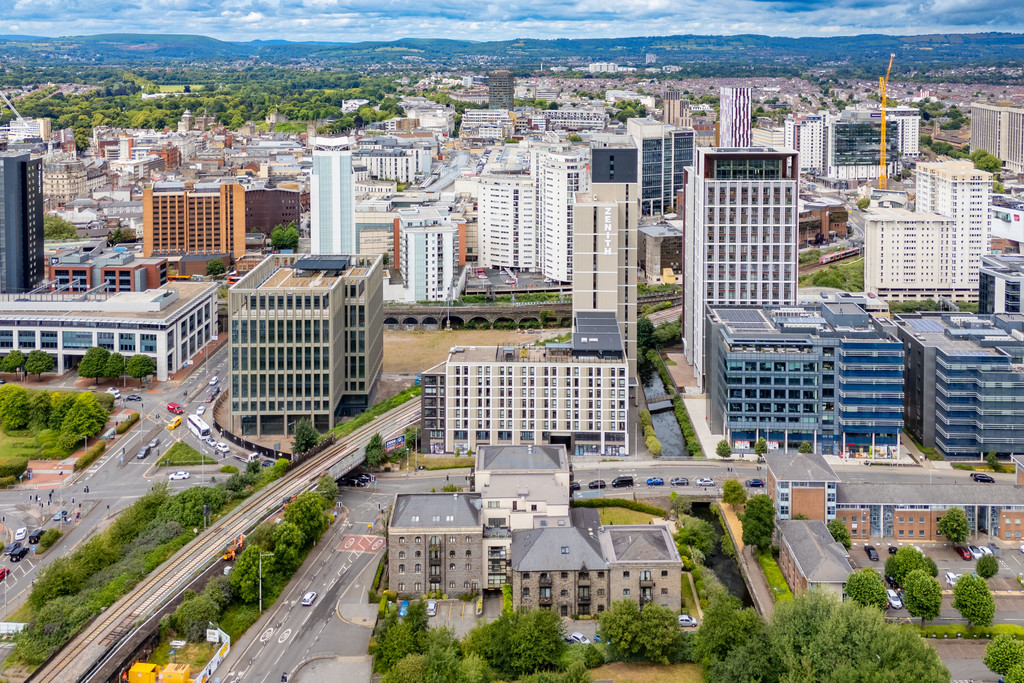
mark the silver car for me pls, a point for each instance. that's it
(431, 608)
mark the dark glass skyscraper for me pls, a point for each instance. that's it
(501, 88)
(21, 222)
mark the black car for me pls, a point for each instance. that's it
(755, 483)
(34, 537)
(893, 549)
(872, 553)
(596, 484)
(982, 477)
(133, 397)
(891, 581)
(679, 481)
(19, 554)
(574, 486)
(353, 481)
(11, 547)
(622, 482)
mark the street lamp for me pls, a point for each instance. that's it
(262, 555)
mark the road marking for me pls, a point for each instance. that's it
(361, 544)
(267, 635)
(284, 636)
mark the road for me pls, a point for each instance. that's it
(340, 569)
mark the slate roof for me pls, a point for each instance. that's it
(522, 458)
(542, 550)
(436, 511)
(965, 492)
(799, 467)
(638, 543)
(817, 555)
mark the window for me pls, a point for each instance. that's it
(419, 569)
(664, 573)
(625, 591)
(664, 591)
(401, 554)
(526, 576)
(625, 575)
(563, 593)
(526, 592)
(451, 567)
(418, 539)
(401, 569)
(469, 566)
(565, 575)
(469, 553)
(600, 592)
(401, 539)
(565, 550)
(401, 587)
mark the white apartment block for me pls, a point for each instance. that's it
(771, 136)
(559, 176)
(429, 251)
(959, 191)
(576, 118)
(507, 222)
(741, 236)
(999, 130)
(807, 133)
(909, 255)
(332, 198)
(492, 124)
(909, 121)
(399, 165)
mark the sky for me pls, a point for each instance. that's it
(356, 20)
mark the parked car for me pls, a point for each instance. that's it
(596, 484)
(114, 392)
(683, 481)
(755, 483)
(19, 554)
(175, 408)
(705, 481)
(985, 550)
(309, 598)
(893, 550)
(176, 476)
(11, 547)
(686, 621)
(4, 571)
(222, 448)
(209, 399)
(982, 477)
(975, 552)
(894, 599)
(623, 482)
(60, 516)
(578, 637)
(965, 553)
(34, 537)
(210, 441)
(890, 581)
(403, 609)
(655, 481)
(431, 608)
(20, 534)
(951, 578)
(872, 553)
(574, 486)
(133, 397)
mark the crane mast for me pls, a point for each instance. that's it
(10, 105)
(883, 84)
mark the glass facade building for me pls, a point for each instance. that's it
(830, 375)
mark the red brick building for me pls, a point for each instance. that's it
(120, 271)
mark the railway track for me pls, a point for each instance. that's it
(73, 661)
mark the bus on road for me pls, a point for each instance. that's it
(198, 427)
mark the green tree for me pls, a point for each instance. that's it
(409, 669)
(140, 366)
(577, 673)
(245, 577)
(761, 447)
(840, 533)
(696, 533)
(12, 362)
(114, 367)
(15, 407)
(193, 617)
(723, 449)
(474, 669)
(726, 625)
(733, 493)
(865, 587)
(987, 162)
(121, 235)
(396, 640)
(922, 595)
(288, 544)
(647, 634)
(39, 363)
(375, 451)
(759, 522)
(997, 187)
(328, 490)
(1015, 674)
(906, 560)
(305, 436)
(518, 644)
(644, 333)
(1003, 653)
(806, 447)
(56, 228)
(215, 268)
(92, 363)
(863, 203)
(973, 599)
(307, 513)
(284, 237)
(953, 525)
(86, 416)
(987, 566)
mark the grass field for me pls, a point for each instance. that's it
(181, 454)
(195, 655)
(411, 352)
(774, 575)
(621, 672)
(19, 446)
(171, 88)
(847, 276)
(624, 516)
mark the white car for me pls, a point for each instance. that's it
(578, 637)
(214, 380)
(175, 476)
(210, 441)
(200, 410)
(20, 534)
(1022, 548)
(705, 481)
(223, 448)
(686, 621)
(951, 578)
(431, 608)
(894, 599)
(309, 598)
(985, 550)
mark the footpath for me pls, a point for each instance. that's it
(760, 591)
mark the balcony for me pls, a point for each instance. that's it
(583, 580)
(647, 583)
(544, 600)
(545, 580)
(497, 532)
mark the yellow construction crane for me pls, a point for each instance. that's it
(883, 84)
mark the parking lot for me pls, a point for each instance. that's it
(459, 615)
(497, 279)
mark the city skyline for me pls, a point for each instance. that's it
(354, 20)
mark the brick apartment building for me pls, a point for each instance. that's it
(267, 207)
(202, 218)
(119, 271)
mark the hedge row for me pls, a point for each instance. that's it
(650, 437)
(91, 455)
(124, 426)
(636, 506)
(693, 446)
(13, 466)
(7, 482)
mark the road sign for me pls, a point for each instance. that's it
(394, 443)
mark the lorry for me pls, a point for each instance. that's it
(233, 548)
(248, 457)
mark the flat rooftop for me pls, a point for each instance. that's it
(963, 334)
(152, 304)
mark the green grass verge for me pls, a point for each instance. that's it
(196, 655)
(928, 452)
(367, 416)
(774, 575)
(848, 277)
(19, 446)
(238, 617)
(181, 454)
(689, 600)
(962, 631)
(623, 516)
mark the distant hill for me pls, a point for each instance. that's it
(951, 49)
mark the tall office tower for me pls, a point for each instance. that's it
(501, 89)
(807, 133)
(332, 198)
(21, 222)
(958, 190)
(676, 109)
(741, 236)
(605, 242)
(507, 221)
(307, 341)
(205, 218)
(664, 151)
(999, 130)
(852, 143)
(559, 176)
(734, 117)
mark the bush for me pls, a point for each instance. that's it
(12, 466)
(125, 425)
(653, 445)
(7, 482)
(693, 446)
(229, 469)
(91, 455)
(620, 503)
(367, 416)
(49, 537)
